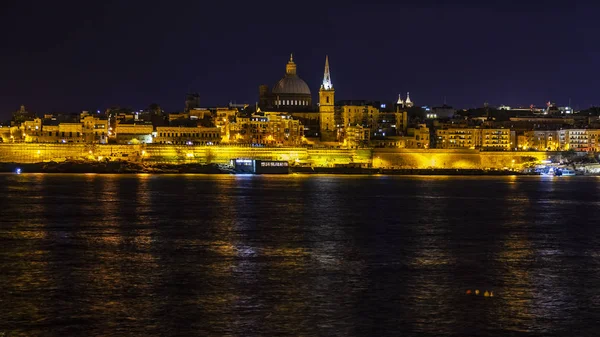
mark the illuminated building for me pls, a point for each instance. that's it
(594, 139)
(456, 138)
(134, 133)
(50, 133)
(416, 137)
(5, 134)
(327, 127)
(272, 128)
(192, 114)
(95, 129)
(401, 121)
(373, 116)
(582, 140)
(31, 130)
(291, 93)
(357, 136)
(497, 139)
(473, 138)
(184, 135)
(71, 132)
(224, 118)
(541, 140)
(413, 138)
(364, 113)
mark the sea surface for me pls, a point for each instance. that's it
(298, 255)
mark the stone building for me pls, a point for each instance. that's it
(95, 129)
(187, 135)
(473, 138)
(271, 129)
(134, 132)
(583, 140)
(416, 137)
(291, 93)
(356, 136)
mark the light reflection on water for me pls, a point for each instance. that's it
(176, 255)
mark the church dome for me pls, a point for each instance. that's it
(291, 85)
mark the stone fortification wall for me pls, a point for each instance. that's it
(459, 159)
(156, 153)
(218, 154)
(35, 153)
(379, 158)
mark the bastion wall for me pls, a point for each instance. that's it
(379, 158)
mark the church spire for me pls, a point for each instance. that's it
(408, 103)
(400, 101)
(327, 85)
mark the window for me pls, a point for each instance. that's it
(327, 99)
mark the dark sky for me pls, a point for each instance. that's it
(87, 55)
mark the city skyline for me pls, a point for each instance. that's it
(73, 58)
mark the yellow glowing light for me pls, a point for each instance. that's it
(39, 152)
(90, 152)
(143, 153)
(190, 155)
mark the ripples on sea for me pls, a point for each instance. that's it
(200, 255)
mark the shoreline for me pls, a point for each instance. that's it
(124, 167)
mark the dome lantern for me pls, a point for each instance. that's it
(290, 68)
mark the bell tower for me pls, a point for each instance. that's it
(326, 106)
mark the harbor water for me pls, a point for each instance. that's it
(299, 255)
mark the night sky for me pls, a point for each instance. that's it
(73, 56)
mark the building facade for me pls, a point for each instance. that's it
(473, 138)
(185, 135)
(271, 128)
(134, 133)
